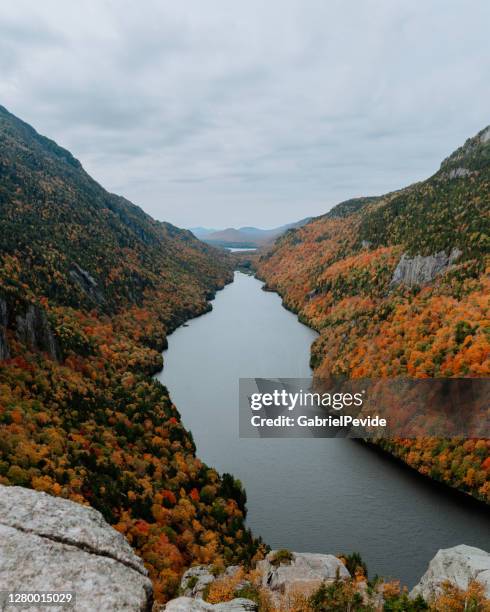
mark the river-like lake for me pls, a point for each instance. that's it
(314, 495)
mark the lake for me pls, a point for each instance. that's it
(314, 495)
(240, 250)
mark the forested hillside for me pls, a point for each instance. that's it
(89, 288)
(398, 285)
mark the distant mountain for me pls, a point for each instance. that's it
(244, 236)
(230, 237)
(199, 232)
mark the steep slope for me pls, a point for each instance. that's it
(89, 287)
(398, 286)
(61, 220)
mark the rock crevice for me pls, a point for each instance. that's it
(52, 544)
(420, 270)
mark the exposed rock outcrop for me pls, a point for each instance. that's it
(304, 573)
(467, 160)
(458, 565)
(459, 173)
(193, 584)
(420, 270)
(4, 347)
(31, 326)
(52, 544)
(485, 135)
(87, 283)
(195, 580)
(34, 330)
(187, 604)
(299, 573)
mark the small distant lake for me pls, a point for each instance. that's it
(236, 250)
(316, 495)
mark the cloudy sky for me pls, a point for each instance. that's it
(222, 113)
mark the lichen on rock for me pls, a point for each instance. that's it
(52, 544)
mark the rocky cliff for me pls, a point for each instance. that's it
(420, 270)
(291, 581)
(4, 347)
(52, 544)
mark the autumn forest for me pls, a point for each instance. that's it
(91, 286)
(357, 276)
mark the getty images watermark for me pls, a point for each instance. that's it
(364, 408)
(310, 399)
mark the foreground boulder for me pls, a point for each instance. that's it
(299, 572)
(458, 565)
(187, 604)
(52, 544)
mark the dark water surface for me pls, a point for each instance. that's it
(315, 495)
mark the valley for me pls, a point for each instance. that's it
(90, 289)
(310, 495)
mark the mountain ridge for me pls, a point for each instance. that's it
(90, 287)
(247, 236)
(398, 285)
(38, 180)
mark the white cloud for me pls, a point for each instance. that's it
(221, 113)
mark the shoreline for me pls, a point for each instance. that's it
(453, 491)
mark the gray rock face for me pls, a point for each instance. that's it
(3, 313)
(485, 135)
(421, 270)
(237, 605)
(459, 173)
(87, 283)
(33, 329)
(460, 565)
(4, 347)
(187, 604)
(192, 586)
(195, 580)
(304, 574)
(52, 544)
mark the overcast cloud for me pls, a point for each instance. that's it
(222, 113)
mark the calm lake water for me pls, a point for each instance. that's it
(315, 495)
